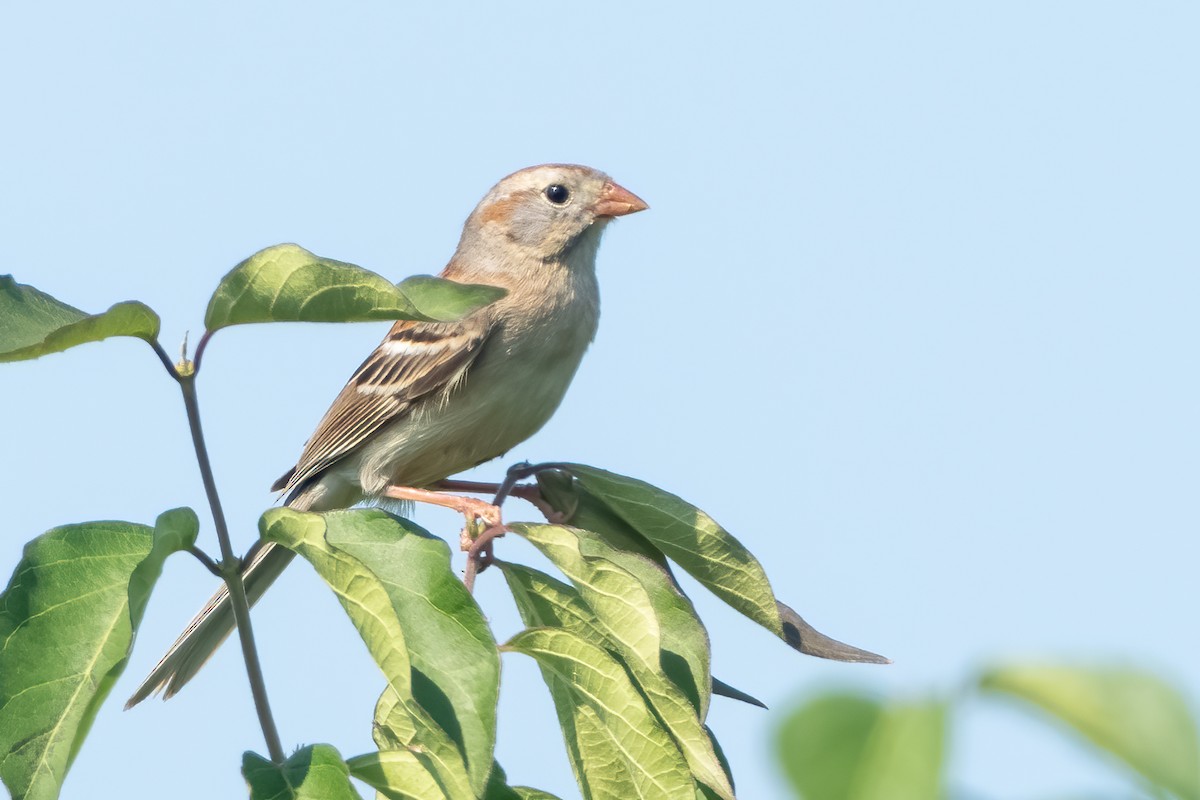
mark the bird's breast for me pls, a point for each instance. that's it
(508, 393)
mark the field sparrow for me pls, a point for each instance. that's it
(434, 399)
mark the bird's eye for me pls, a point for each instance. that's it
(557, 193)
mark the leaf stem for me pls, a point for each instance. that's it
(230, 571)
(519, 472)
(205, 559)
(200, 349)
(479, 557)
(165, 359)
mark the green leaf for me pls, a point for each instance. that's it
(403, 775)
(34, 324)
(526, 793)
(546, 602)
(712, 737)
(725, 690)
(67, 621)
(1133, 715)
(498, 789)
(286, 283)
(646, 762)
(419, 623)
(652, 626)
(690, 538)
(447, 301)
(316, 772)
(595, 759)
(846, 747)
(584, 510)
(400, 725)
(807, 639)
(634, 603)
(694, 541)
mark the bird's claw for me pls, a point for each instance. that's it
(481, 518)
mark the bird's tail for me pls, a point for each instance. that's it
(212, 626)
(204, 634)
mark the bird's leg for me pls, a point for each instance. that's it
(472, 509)
(478, 544)
(510, 486)
(480, 555)
(467, 506)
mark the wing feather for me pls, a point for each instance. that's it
(415, 360)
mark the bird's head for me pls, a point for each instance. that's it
(545, 211)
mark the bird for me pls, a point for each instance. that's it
(436, 398)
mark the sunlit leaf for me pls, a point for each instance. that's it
(419, 623)
(652, 521)
(595, 758)
(316, 772)
(689, 537)
(636, 603)
(67, 621)
(846, 747)
(545, 601)
(498, 789)
(407, 774)
(402, 726)
(1133, 715)
(644, 753)
(287, 283)
(652, 626)
(33, 323)
(582, 509)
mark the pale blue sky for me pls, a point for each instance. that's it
(913, 314)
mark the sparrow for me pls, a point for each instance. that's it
(436, 398)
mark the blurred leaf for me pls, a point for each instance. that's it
(689, 537)
(823, 744)
(646, 762)
(67, 621)
(846, 747)
(316, 772)
(639, 609)
(419, 623)
(286, 283)
(34, 324)
(1133, 715)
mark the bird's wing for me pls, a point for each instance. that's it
(415, 360)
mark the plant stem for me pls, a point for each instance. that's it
(479, 557)
(205, 559)
(230, 567)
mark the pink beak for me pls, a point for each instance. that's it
(617, 201)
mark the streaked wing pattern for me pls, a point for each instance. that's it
(416, 359)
